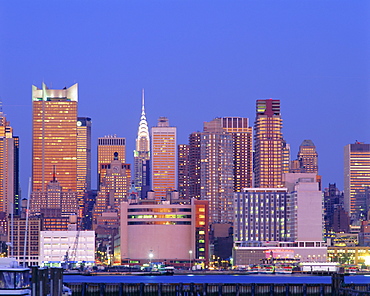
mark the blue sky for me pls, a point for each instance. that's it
(196, 60)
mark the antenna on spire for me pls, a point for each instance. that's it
(54, 173)
(142, 100)
(1, 106)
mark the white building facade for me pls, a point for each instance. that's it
(67, 247)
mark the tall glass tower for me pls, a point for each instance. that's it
(54, 136)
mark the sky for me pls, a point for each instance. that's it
(196, 60)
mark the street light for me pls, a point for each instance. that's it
(190, 253)
(150, 257)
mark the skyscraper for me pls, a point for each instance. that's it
(9, 168)
(268, 144)
(308, 157)
(164, 158)
(54, 136)
(107, 146)
(142, 152)
(183, 170)
(194, 165)
(356, 176)
(83, 158)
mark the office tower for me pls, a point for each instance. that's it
(356, 175)
(308, 157)
(114, 187)
(107, 146)
(164, 158)
(242, 150)
(9, 168)
(54, 136)
(183, 170)
(261, 215)
(83, 159)
(142, 152)
(268, 144)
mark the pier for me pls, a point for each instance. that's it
(337, 287)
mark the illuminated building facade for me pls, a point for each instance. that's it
(242, 150)
(142, 154)
(261, 215)
(183, 170)
(164, 158)
(83, 159)
(356, 176)
(54, 136)
(107, 146)
(31, 256)
(162, 226)
(114, 187)
(268, 144)
(9, 168)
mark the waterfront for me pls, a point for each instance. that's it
(229, 279)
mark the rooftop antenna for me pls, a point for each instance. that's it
(26, 230)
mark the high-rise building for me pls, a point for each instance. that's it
(142, 152)
(54, 136)
(356, 175)
(9, 168)
(107, 147)
(308, 157)
(164, 158)
(83, 159)
(194, 165)
(333, 197)
(183, 170)
(217, 170)
(268, 144)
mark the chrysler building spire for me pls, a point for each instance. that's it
(142, 152)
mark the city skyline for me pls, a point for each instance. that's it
(216, 66)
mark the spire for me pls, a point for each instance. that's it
(142, 140)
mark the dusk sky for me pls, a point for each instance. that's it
(196, 60)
